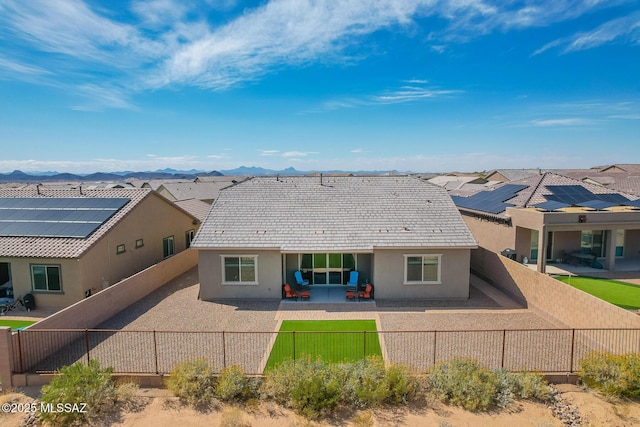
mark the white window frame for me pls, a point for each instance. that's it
(422, 282)
(255, 266)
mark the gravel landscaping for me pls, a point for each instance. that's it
(172, 324)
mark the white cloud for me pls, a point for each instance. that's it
(574, 121)
(268, 152)
(626, 28)
(298, 153)
(357, 150)
(172, 42)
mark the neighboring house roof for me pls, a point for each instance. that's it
(511, 174)
(192, 190)
(622, 167)
(341, 214)
(195, 207)
(548, 191)
(221, 178)
(455, 182)
(629, 184)
(66, 247)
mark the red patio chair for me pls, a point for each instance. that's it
(305, 295)
(366, 294)
(288, 293)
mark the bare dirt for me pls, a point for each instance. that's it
(154, 407)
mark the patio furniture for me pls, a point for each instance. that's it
(366, 294)
(305, 295)
(299, 279)
(351, 295)
(290, 294)
(353, 279)
(586, 259)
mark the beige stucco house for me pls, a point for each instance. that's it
(549, 218)
(402, 234)
(64, 245)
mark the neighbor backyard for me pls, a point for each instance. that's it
(622, 294)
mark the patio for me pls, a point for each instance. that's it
(625, 268)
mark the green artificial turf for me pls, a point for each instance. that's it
(15, 324)
(624, 295)
(331, 340)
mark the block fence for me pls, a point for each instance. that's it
(551, 299)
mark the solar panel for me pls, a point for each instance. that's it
(577, 195)
(56, 217)
(492, 201)
(551, 205)
(598, 204)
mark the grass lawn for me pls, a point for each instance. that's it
(15, 324)
(331, 340)
(622, 294)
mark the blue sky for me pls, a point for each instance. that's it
(426, 86)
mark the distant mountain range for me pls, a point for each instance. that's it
(19, 176)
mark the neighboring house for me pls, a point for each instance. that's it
(557, 217)
(195, 207)
(402, 234)
(455, 182)
(506, 175)
(205, 191)
(63, 245)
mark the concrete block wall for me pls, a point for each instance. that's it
(548, 297)
(6, 358)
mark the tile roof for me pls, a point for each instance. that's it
(344, 213)
(65, 247)
(195, 207)
(194, 190)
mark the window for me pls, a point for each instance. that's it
(120, 249)
(46, 278)
(240, 270)
(421, 269)
(139, 243)
(188, 237)
(167, 247)
(620, 243)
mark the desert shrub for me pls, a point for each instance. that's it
(193, 381)
(232, 384)
(401, 383)
(318, 392)
(311, 388)
(278, 382)
(523, 385)
(506, 388)
(531, 385)
(463, 382)
(365, 383)
(363, 419)
(79, 384)
(611, 374)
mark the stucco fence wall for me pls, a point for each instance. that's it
(548, 297)
(91, 312)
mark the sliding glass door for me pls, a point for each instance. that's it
(327, 268)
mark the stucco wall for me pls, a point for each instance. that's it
(22, 282)
(388, 276)
(152, 220)
(269, 271)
